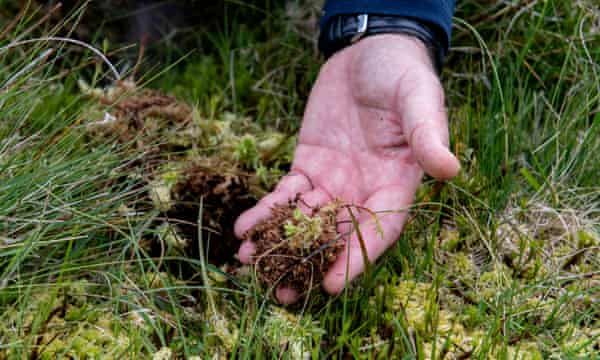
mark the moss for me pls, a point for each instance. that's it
(586, 239)
(564, 250)
(461, 266)
(160, 194)
(414, 301)
(160, 280)
(291, 334)
(246, 152)
(66, 325)
(524, 351)
(491, 283)
(224, 331)
(302, 231)
(450, 239)
(164, 353)
(579, 342)
(460, 331)
(174, 241)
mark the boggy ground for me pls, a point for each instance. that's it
(211, 190)
(501, 262)
(189, 185)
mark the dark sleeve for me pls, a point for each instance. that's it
(436, 13)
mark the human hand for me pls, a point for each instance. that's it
(375, 120)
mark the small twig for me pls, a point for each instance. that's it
(138, 62)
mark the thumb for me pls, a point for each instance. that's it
(420, 104)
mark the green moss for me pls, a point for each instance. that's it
(450, 239)
(291, 334)
(174, 241)
(163, 354)
(246, 152)
(586, 238)
(461, 266)
(490, 284)
(64, 324)
(304, 230)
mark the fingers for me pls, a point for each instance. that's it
(286, 296)
(420, 103)
(287, 189)
(246, 251)
(391, 203)
(432, 153)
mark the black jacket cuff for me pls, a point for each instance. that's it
(434, 15)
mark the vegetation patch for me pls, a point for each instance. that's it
(197, 172)
(64, 323)
(116, 206)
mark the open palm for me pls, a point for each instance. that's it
(375, 120)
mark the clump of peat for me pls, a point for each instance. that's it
(294, 249)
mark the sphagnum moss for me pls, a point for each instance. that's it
(295, 335)
(67, 325)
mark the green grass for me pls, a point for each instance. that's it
(504, 257)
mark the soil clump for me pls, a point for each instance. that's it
(295, 249)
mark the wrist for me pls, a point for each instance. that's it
(377, 51)
(406, 44)
(344, 30)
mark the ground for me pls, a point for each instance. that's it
(117, 197)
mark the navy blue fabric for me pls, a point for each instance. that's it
(437, 13)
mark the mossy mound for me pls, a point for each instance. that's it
(193, 169)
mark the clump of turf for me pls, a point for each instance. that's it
(294, 249)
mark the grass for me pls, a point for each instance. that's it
(502, 262)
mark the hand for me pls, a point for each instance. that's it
(375, 120)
